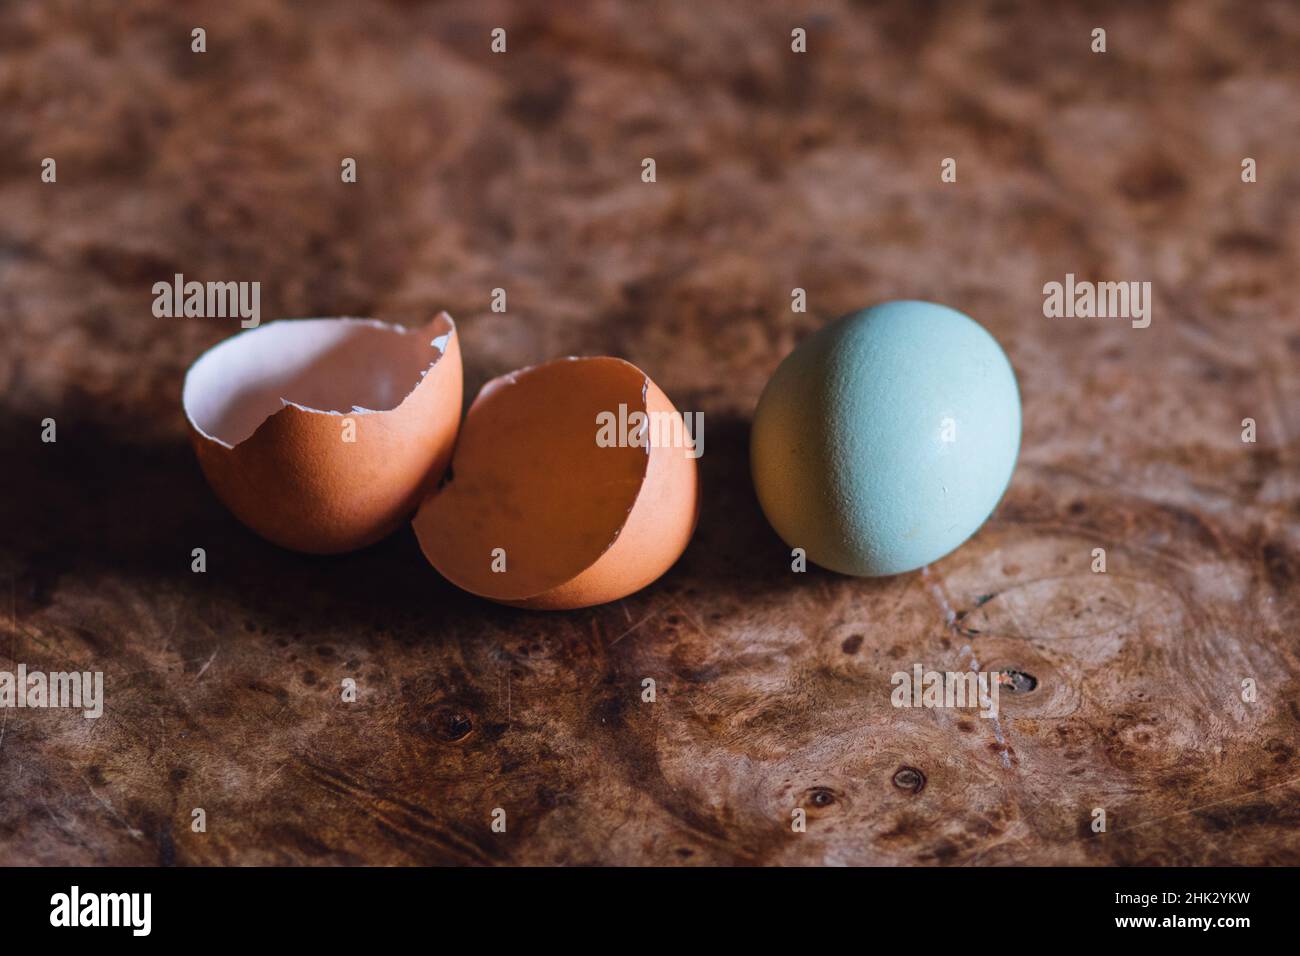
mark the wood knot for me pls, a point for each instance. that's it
(821, 797)
(1018, 682)
(909, 779)
(450, 724)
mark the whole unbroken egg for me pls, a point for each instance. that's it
(886, 439)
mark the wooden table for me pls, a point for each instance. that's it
(775, 171)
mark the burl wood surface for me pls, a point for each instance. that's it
(775, 171)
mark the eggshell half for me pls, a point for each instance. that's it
(269, 412)
(576, 523)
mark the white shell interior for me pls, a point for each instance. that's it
(330, 366)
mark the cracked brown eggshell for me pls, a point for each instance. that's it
(530, 489)
(268, 412)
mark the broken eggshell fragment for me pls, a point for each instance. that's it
(540, 511)
(323, 435)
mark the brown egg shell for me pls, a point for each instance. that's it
(579, 524)
(292, 477)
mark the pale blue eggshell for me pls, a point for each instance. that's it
(887, 438)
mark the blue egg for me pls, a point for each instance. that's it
(887, 438)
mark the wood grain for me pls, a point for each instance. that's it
(775, 171)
